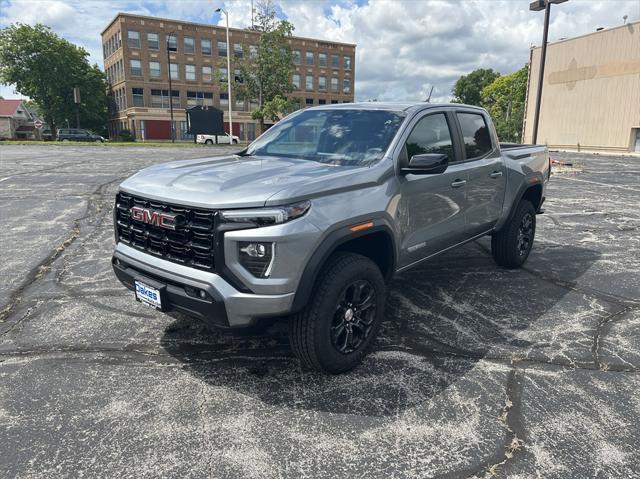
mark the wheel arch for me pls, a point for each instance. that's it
(375, 242)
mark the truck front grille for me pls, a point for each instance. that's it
(192, 243)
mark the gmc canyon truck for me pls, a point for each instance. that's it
(312, 220)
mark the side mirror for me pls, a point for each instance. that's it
(427, 164)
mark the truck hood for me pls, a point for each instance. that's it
(234, 181)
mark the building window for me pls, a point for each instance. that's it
(346, 85)
(322, 83)
(347, 63)
(135, 67)
(153, 42)
(251, 131)
(207, 73)
(334, 102)
(322, 101)
(239, 104)
(222, 49)
(335, 61)
(154, 69)
(223, 74)
(199, 98)
(296, 57)
(253, 51)
(237, 50)
(189, 45)
(175, 98)
(224, 99)
(334, 83)
(133, 39)
(173, 69)
(237, 76)
(309, 58)
(172, 43)
(138, 96)
(205, 46)
(190, 72)
(309, 82)
(296, 81)
(322, 59)
(308, 101)
(160, 98)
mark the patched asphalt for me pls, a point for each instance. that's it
(478, 372)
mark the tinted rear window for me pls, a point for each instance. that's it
(477, 141)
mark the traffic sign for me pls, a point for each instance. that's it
(38, 124)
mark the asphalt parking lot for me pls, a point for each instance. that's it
(479, 371)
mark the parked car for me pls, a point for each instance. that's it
(217, 139)
(78, 134)
(313, 219)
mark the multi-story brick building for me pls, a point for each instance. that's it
(135, 60)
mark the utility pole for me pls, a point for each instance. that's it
(226, 16)
(537, 6)
(173, 135)
(76, 100)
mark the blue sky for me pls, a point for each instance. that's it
(403, 46)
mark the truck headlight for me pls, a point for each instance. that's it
(256, 257)
(267, 216)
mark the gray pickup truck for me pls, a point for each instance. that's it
(312, 220)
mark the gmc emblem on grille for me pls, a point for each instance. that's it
(155, 218)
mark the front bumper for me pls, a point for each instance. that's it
(222, 306)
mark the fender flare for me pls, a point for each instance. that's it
(526, 185)
(329, 244)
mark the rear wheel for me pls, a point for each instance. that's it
(511, 245)
(208, 142)
(336, 329)
(235, 142)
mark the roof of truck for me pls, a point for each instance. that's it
(390, 105)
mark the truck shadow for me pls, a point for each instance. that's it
(442, 319)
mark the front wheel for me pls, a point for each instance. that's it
(336, 329)
(208, 142)
(234, 142)
(511, 245)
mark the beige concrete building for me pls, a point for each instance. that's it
(591, 92)
(135, 60)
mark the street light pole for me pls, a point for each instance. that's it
(173, 136)
(226, 16)
(537, 6)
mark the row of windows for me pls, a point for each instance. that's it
(310, 84)
(115, 72)
(205, 48)
(310, 59)
(159, 98)
(112, 44)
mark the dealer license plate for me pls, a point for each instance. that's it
(148, 295)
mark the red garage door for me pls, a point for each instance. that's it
(157, 130)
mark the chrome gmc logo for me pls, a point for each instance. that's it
(155, 218)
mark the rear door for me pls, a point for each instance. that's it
(430, 209)
(486, 173)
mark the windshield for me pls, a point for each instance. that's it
(339, 137)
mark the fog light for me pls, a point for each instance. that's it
(257, 258)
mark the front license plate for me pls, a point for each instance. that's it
(148, 295)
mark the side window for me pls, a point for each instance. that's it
(430, 135)
(477, 140)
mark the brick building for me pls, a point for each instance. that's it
(135, 60)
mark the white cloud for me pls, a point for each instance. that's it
(403, 46)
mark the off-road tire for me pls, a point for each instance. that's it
(506, 246)
(310, 330)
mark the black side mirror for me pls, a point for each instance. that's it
(427, 164)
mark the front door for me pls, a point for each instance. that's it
(487, 176)
(431, 207)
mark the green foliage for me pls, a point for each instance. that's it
(504, 99)
(266, 73)
(468, 88)
(46, 68)
(125, 135)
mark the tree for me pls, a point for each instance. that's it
(468, 88)
(504, 99)
(46, 68)
(265, 72)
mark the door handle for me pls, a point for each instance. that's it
(458, 183)
(496, 174)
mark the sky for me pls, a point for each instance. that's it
(404, 47)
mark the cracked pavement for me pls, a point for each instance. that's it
(478, 372)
